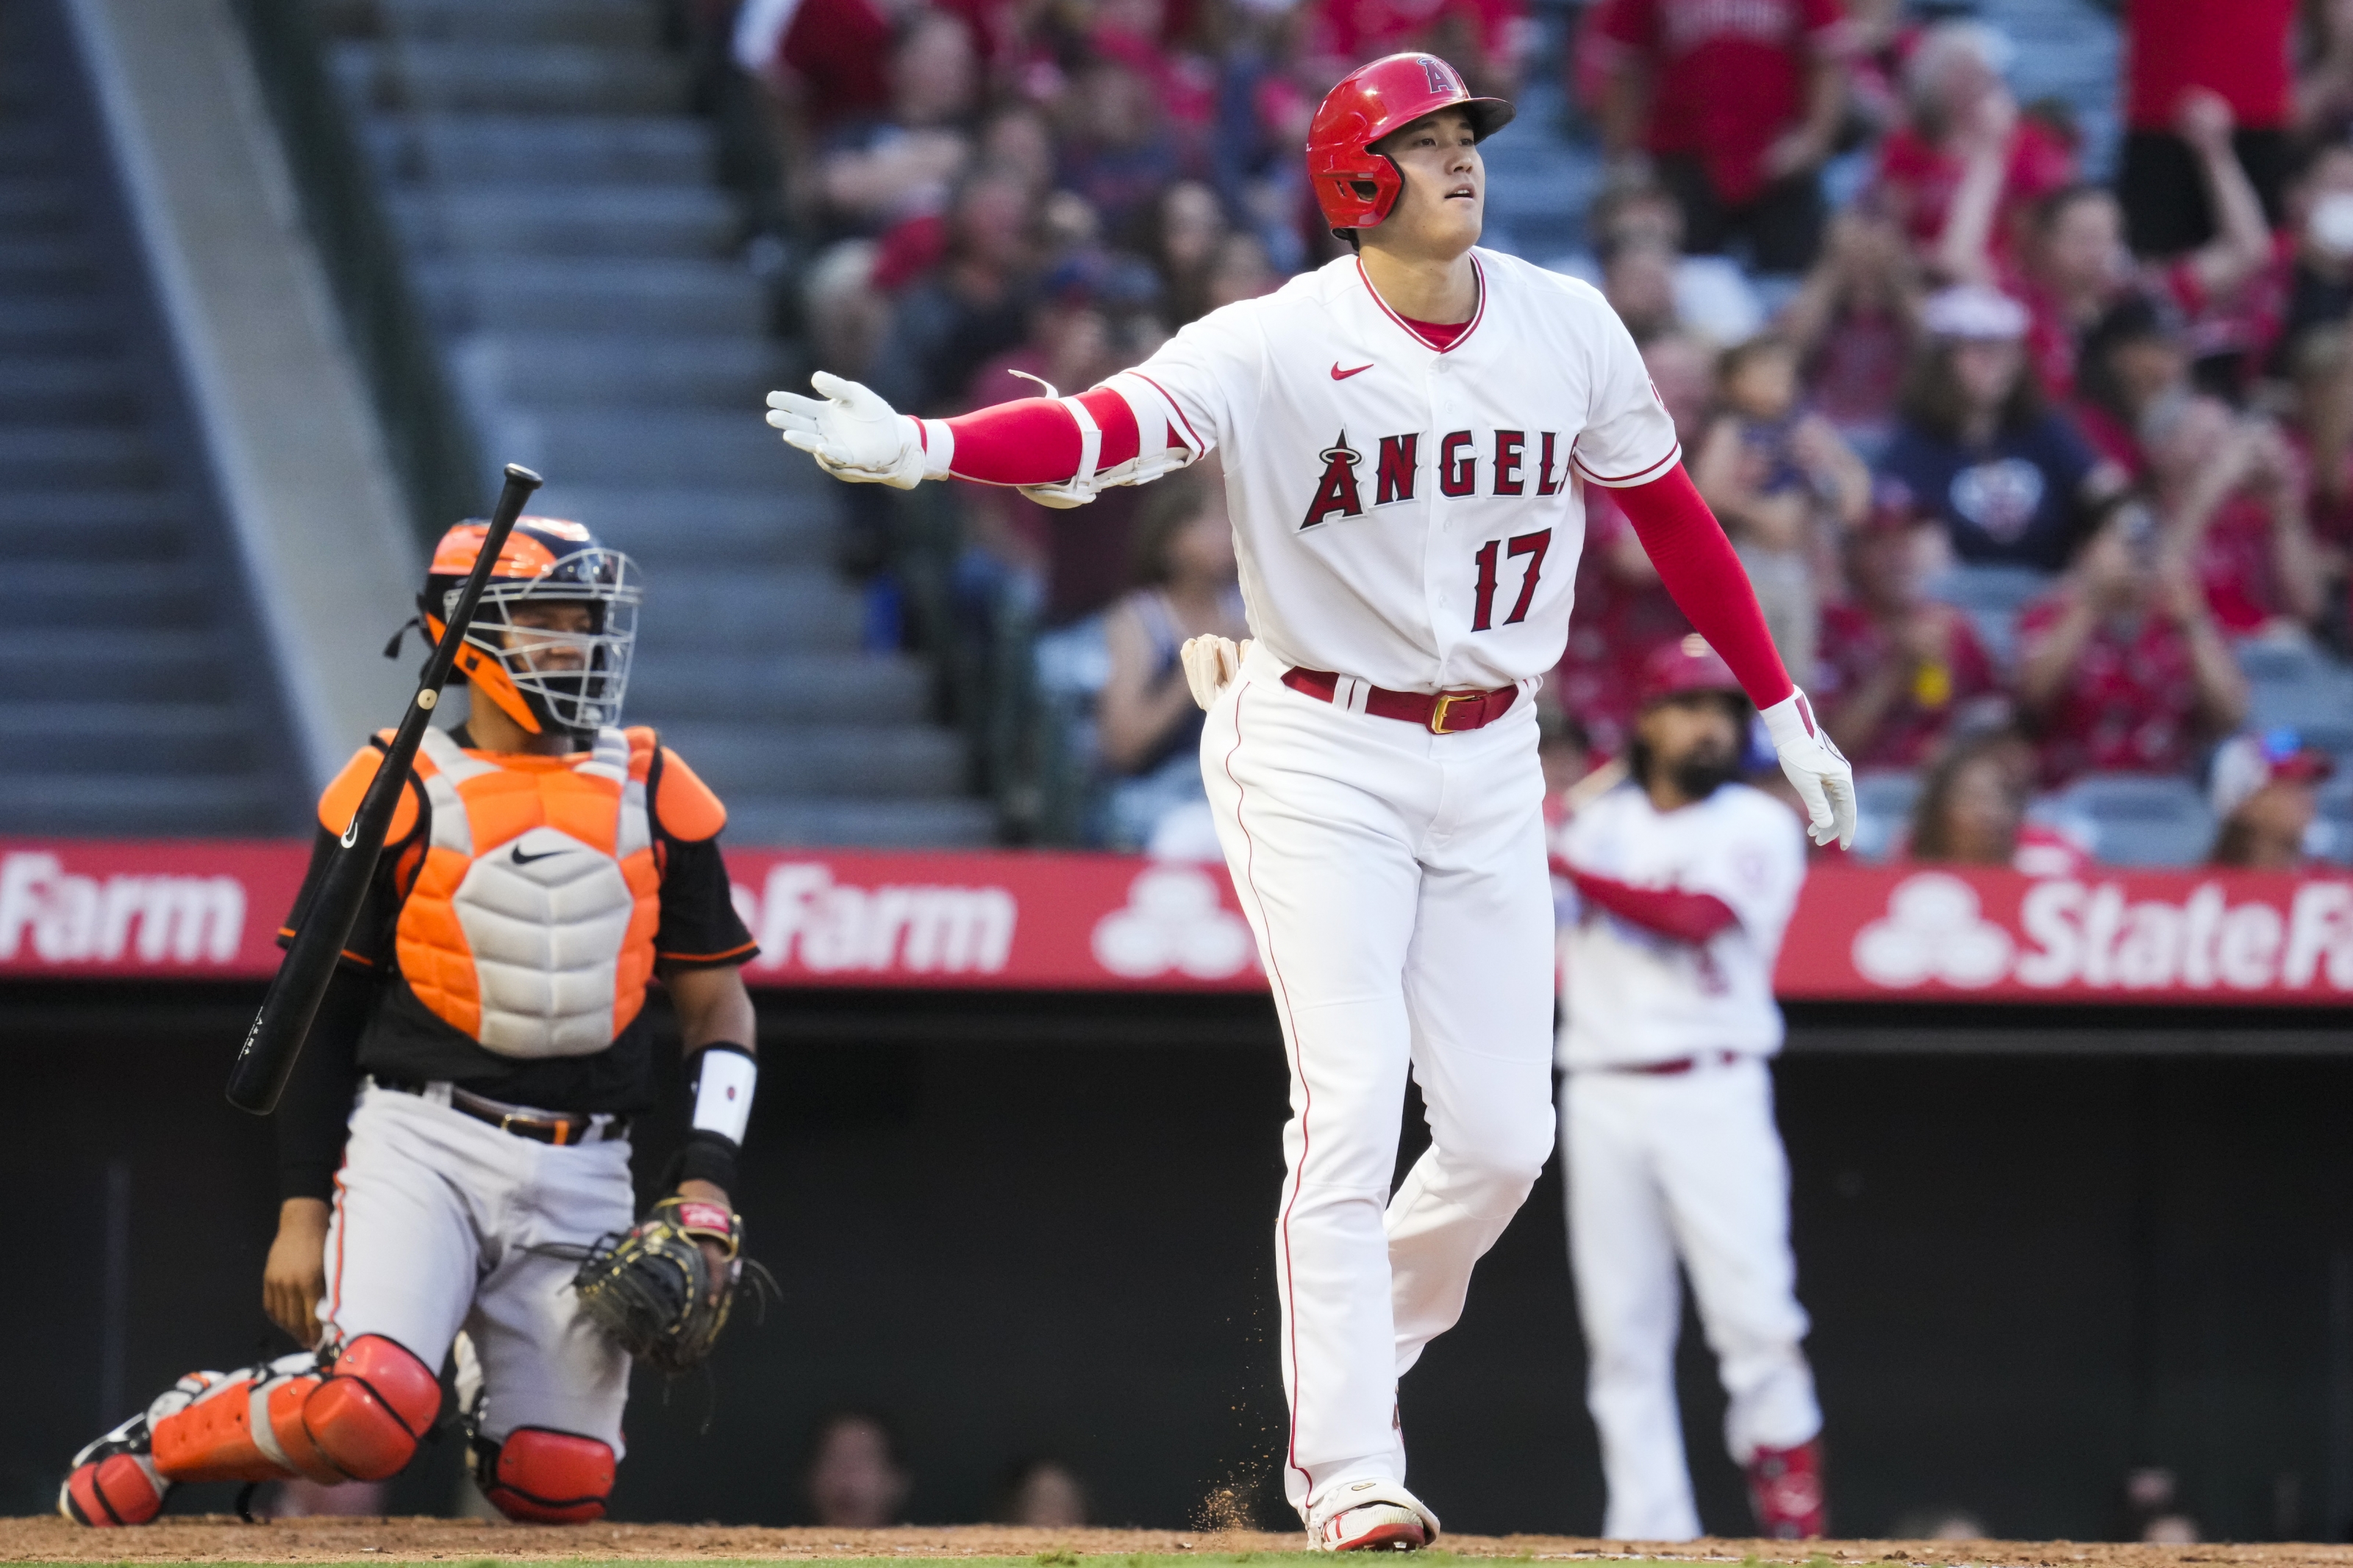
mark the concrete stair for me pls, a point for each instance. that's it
(135, 691)
(577, 258)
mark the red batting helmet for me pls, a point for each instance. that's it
(1354, 185)
(1689, 665)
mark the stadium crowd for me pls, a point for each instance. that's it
(2021, 463)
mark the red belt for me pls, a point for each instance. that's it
(1681, 1064)
(1439, 712)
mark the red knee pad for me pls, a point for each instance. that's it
(117, 1490)
(547, 1477)
(375, 1402)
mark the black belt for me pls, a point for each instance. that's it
(561, 1128)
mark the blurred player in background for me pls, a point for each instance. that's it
(1685, 882)
(542, 867)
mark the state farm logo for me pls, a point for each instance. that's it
(2073, 935)
(1174, 920)
(67, 918)
(1932, 932)
(801, 913)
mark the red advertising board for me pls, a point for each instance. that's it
(1039, 920)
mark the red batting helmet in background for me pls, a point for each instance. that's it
(1686, 666)
(1354, 185)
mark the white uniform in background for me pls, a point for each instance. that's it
(1669, 1144)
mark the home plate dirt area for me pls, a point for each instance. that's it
(223, 1538)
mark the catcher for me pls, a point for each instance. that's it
(455, 1142)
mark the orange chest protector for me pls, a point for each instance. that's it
(531, 923)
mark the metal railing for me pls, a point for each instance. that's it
(430, 445)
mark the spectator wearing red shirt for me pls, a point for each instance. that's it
(1484, 39)
(2232, 498)
(1737, 103)
(2073, 263)
(1857, 321)
(2121, 667)
(2238, 49)
(1898, 669)
(1961, 122)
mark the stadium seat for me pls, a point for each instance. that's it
(2316, 700)
(2133, 819)
(1071, 664)
(1992, 597)
(1884, 809)
(2332, 837)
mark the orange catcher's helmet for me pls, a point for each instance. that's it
(541, 677)
(1357, 186)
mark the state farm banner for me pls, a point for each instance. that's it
(1034, 920)
(169, 909)
(1901, 933)
(1049, 921)
(1026, 919)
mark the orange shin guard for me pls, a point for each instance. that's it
(214, 1439)
(547, 1477)
(365, 1419)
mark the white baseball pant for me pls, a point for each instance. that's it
(435, 1217)
(1685, 1164)
(1395, 881)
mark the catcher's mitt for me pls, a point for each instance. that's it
(651, 1289)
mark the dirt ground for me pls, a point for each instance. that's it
(223, 1538)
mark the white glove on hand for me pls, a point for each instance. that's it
(851, 432)
(1823, 778)
(1210, 663)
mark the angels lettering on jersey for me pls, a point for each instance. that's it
(1512, 469)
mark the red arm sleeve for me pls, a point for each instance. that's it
(1036, 442)
(1707, 580)
(1686, 917)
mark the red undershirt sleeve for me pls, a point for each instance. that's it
(1694, 917)
(1704, 576)
(1035, 441)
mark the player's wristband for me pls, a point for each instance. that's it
(724, 1076)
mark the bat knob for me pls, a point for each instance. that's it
(519, 475)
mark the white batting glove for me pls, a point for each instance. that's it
(1824, 777)
(851, 432)
(1210, 664)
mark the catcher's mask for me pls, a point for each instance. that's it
(544, 677)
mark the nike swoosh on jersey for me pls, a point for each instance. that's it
(1339, 374)
(520, 859)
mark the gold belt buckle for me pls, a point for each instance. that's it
(1445, 705)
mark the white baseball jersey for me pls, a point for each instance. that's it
(1631, 996)
(1406, 515)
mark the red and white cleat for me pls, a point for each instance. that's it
(1785, 1487)
(1371, 1516)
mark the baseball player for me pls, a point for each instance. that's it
(1407, 433)
(457, 1131)
(1686, 880)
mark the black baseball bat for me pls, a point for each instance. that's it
(267, 1059)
